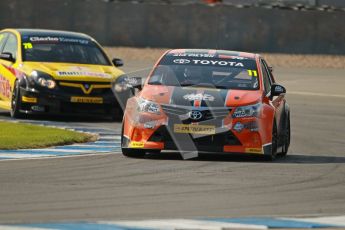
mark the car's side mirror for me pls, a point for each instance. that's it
(270, 68)
(124, 83)
(136, 82)
(117, 62)
(7, 56)
(277, 90)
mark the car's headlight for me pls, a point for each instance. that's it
(43, 79)
(148, 106)
(247, 111)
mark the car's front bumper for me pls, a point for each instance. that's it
(46, 101)
(252, 138)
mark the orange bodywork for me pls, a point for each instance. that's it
(140, 128)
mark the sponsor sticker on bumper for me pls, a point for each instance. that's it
(136, 144)
(253, 150)
(91, 100)
(194, 129)
(29, 99)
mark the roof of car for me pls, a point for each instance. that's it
(42, 32)
(212, 52)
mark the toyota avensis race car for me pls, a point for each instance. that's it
(208, 101)
(58, 72)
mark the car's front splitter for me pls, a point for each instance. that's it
(55, 102)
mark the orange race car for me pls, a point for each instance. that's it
(207, 101)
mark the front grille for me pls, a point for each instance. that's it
(207, 112)
(204, 143)
(72, 90)
(174, 110)
(68, 107)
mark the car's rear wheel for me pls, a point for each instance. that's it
(16, 102)
(287, 137)
(273, 154)
(134, 153)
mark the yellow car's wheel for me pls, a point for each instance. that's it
(16, 102)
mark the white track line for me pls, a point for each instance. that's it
(59, 157)
(106, 142)
(332, 220)
(109, 137)
(58, 150)
(96, 146)
(4, 227)
(315, 94)
(21, 156)
(173, 224)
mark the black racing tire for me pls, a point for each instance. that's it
(133, 153)
(16, 102)
(287, 137)
(274, 148)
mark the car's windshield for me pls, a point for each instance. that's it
(62, 49)
(225, 73)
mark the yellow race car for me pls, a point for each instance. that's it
(56, 72)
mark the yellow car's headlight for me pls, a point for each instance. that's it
(43, 79)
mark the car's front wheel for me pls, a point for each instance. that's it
(287, 137)
(16, 102)
(274, 146)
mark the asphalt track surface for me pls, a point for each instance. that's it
(308, 182)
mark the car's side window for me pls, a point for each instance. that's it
(266, 78)
(11, 45)
(3, 37)
(270, 77)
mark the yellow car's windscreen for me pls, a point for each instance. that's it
(62, 49)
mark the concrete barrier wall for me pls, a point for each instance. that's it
(150, 25)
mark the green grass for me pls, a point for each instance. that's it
(19, 136)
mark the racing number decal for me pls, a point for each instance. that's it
(27, 45)
(252, 73)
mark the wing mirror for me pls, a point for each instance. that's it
(124, 83)
(7, 56)
(117, 62)
(124, 87)
(277, 90)
(270, 68)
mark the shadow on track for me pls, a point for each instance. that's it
(289, 159)
(63, 118)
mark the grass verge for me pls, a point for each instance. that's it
(20, 136)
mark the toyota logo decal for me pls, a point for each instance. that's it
(181, 61)
(195, 115)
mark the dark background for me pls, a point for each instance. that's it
(222, 26)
